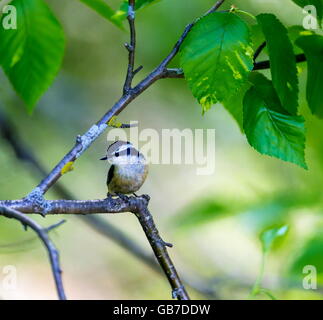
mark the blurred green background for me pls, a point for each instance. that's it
(213, 221)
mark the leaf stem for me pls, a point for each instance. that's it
(245, 13)
(257, 286)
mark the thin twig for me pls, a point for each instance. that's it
(258, 51)
(261, 65)
(126, 126)
(42, 234)
(177, 73)
(160, 249)
(55, 226)
(215, 7)
(119, 125)
(179, 43)
(131, 47)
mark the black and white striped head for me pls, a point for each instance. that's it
(122, 152)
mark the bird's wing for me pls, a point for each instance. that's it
(110, 174)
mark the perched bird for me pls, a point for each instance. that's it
(128, 169)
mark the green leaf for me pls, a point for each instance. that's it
(282, 61)
(31, 55)
(294, 32)
(121, 14)
(257, 36)
(267, 239)
(103, 9)
(269, 129)
(318, 4)
(313, 49)
(217, 57)
(269, 236)
(234, 104)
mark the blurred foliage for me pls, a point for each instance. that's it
(214, 221)
(200, 212)
(257, 216)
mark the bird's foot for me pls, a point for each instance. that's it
(146, 197)
(123, 197)
(110, 195)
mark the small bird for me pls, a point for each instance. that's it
(128, 169)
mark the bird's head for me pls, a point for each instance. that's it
(121, 152)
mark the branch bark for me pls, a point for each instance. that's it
(177, 73)
(131, 47)
(261, 65)
(44, 207)
(258, 51)
(136, 205)
(42, 234)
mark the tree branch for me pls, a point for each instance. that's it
(159, 248)
(261, 65)
(53, 207)
(215, 7)
(177, 73)
(258, 51)
(136, 205)
(42, 234)
(131, 47)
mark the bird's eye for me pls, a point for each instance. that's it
(117, 154)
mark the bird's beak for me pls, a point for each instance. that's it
(104, 158)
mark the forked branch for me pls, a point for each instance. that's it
(136, 205)
(43, 235)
